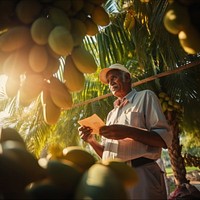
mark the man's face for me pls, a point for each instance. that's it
(118, 83)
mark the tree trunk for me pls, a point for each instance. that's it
(177, 161)
(184, 190)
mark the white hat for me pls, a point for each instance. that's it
(103, 73)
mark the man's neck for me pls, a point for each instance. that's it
(124, 94)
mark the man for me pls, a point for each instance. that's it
(136, 131)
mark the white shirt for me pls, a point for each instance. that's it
(142, 109)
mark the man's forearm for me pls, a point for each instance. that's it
(144, 136)
(98, 148)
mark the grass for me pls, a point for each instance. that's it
(169, 170)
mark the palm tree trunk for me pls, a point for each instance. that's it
(184, 190)
(177, 161)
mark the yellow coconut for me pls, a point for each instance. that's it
(176, 18)
(41, 29)
(91, 27)
(60, 94)
(190, 40)
(74, 79)
(100, 16)
(59, 17)
(61, 41)
(28, 11)
(83, 60)
(15, 38)
(51, 112)
(78, 31)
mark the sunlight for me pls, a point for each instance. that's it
(3, 114)
(3, 79)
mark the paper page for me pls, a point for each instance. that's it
(94, 122)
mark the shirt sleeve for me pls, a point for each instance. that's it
(155, 118)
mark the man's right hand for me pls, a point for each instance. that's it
(85, 134)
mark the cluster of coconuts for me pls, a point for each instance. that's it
(182, 19)
(64, 173)
(34, 36)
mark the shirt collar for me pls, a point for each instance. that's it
(121, 102)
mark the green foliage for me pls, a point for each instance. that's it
(146, 51)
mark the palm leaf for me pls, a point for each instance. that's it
(147, 50)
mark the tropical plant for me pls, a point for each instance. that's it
(148, 50)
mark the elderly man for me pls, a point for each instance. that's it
(136, 131)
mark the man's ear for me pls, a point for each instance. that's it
(128, 77)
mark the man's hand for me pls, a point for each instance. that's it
(85, 134)
(115, 131)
